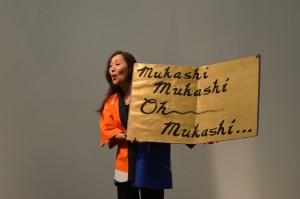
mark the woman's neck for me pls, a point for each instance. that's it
(127, 93)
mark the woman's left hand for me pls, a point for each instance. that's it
(211, 142)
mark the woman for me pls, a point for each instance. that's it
(141, 168)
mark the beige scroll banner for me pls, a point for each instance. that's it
(191, 104)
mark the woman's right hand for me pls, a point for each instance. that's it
(135, 141)
(120, 137)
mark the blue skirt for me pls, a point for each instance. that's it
(153, 166)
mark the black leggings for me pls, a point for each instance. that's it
(126, 191)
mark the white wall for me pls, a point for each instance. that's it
(52, 61)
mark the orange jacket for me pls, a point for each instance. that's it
(110, 126)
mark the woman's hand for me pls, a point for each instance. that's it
(135, 141)
(120, 137)
(211, 142)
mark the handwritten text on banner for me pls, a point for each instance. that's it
(190, 104)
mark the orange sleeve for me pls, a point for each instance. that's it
(109, 128)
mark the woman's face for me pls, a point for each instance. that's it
(118, 70)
